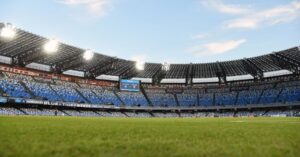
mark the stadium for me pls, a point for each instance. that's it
(58, 99)
(266, 85)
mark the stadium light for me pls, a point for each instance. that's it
(166, 66)
(88, 55)
(8, 31)
(140, 65)
(51, 46)
(139, 61)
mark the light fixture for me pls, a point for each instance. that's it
(88, 55)
(140, 65)
(8, 31)
(139, 61)
(166, 66)
(51, 46)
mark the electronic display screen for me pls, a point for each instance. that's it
(130, 85)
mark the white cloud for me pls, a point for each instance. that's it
(276, 15)
(215, 48)
(225, 8)
(97, 8)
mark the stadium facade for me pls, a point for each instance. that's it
(69, 82)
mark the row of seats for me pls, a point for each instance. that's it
(133, 98)
(68, 94)
(187, 99)
(162, 99)
(245, 97)
(42, 90)
(13, 88)
(107, 97)
(90, 95)
(25, 87)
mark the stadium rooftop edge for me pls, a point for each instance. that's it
(26, 49)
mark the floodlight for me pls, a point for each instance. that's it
(139, 62)
(51, 46)
(166, 66)
(8, 31)
(140, 65)
(88, 55)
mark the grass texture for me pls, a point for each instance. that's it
(27, 136)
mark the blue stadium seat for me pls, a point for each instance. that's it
(68, 94)
(43, 91)
(248, 97)
(108, 97)
(133, 98)
(162, 99)
(206, 99)
(222, 99)
(289, 94)
(13, 88)
(187, 99)
(269, 96)
(90, 95)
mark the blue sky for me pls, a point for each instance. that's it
(176, 31)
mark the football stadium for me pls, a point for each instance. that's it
(59, 99)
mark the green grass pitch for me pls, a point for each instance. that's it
(150, 137)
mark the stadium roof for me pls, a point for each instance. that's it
(27, 48)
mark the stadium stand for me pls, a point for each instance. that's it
(133, 98)
(206, 99)
(267, 85)
(187, 99)
(248, 97)
(13, 88)
(159, 97)
(108, 97)
(43, 91)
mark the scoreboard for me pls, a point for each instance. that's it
(130, 85)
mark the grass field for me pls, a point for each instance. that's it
(113, 137)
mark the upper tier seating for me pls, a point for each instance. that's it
(13, 88)
(43, 91)
(22, 86)
(68, 94)
(107, 97)
(90, 95)
(269, 96)
(133, 98)
(248, 97)
(225, 98)
(289, 94)
(159, 97)
(187, 99)
(206, 99)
